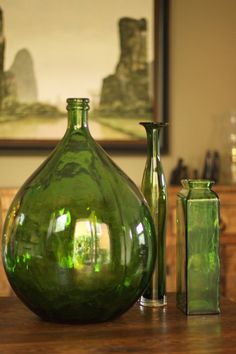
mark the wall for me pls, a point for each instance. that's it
(202, 75)
(202, 88)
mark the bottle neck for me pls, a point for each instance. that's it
(77, 113)
(77, 119)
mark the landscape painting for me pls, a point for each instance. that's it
(52, 50)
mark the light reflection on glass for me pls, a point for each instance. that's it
(130, 234)
(140, 232)
(21, 219)
(91, 244)
(139, 228)
(59, 223)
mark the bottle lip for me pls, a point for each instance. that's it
(154, 124)
(197, 183)
(77, 103)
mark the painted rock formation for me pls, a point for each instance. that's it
(23, 70)
(126, 92)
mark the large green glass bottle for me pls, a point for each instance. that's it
(79, 240)
(155, 191)
(197, 256)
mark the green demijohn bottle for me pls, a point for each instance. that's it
(197, 256)
(155, 192)
(79, 240)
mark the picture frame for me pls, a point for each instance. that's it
(160, 98)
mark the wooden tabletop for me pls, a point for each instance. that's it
(140, 330)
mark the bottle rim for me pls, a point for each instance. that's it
(197, 183)
(77, 103)
(154, 124)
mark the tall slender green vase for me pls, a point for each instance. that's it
(79, 240)
(198, 260)
(155, 191)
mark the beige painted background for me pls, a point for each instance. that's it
(202, 89)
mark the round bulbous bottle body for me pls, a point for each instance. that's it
(78, 240)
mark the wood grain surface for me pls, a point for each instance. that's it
(140, 330)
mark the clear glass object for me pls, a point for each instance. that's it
(79, 241)
(198, 260)
(226, 133)
(155, 192)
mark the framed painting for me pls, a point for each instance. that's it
(116, 55)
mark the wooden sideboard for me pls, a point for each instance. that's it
(227, 196)
(138, 331)
(6, 196)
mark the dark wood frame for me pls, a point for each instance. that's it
(160, 96)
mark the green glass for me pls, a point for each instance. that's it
(198, 260)
(79, 240)
(155, 192)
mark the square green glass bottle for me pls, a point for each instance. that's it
(197, 257)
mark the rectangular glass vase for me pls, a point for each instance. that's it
(198, 241)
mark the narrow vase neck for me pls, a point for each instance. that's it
(153, 143)
(77, 113)
(153, 138)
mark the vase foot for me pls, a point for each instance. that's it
(153, 302)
